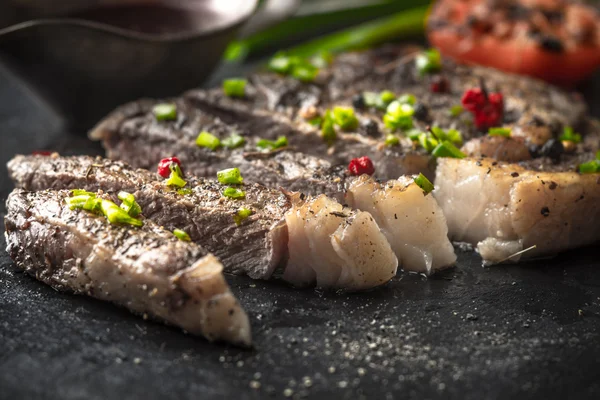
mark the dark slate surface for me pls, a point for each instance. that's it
(469, 333)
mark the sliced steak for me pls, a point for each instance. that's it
(147, 269)
(412, 223)
(256, 245)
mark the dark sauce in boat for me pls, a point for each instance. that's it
(151, 19)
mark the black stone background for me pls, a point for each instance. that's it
(527, 331)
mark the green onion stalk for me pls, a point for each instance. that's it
(399, 25)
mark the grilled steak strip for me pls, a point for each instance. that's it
(258, 245)
(147, 270)
(255, 247)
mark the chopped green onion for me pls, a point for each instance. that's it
(80, 192)
(590, 167)
(280, 63)
(297, 67)
(184, 191)
(110, 210)
(176, 177)
(305, 72)
(414, 134)
(182, 235)
(235, 87)
(234, 141)
(79, 201)
(499, 132)
(374, 100)
(322, 60)
(344, 117)
(399, 116)
(231, 176)
(378, 100)
(241, 215)
(129, 205)
(165, 112)
(327, 128)
(272, 145)
(116, 215)
(386, 97)
(392, 140)
(316, 121)
(452, 135)
(424, 183)
(397, 108)
(429, 61)
(569, 135)
(208, 140)
(234, 193)
(447, 149)
(407, 99)
(456, 110)
(427, 142)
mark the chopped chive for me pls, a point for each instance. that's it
(184, 191)
(280, 63)
(569, 135)
(165, 112)
(176, 177)
(407, 99)
(305, 72)
(322, 60)
(81, 192)
(235, 87)
(386, 97)
(456, 110)
(234, 141)
(397, 108)
(452, 135)
(231, 176)
(129, 204)
(316, 121)
(234, 193)
(182, 235)
(110, 210)
(118, 216)
(78, 201)
(424, 183)
(399, 116)
(345, 118)
(272, 145)
(428, 62)
(499, 132)
(590, 167)
(427, 142)
(241, 215)
(414, 134)
(374, 100)
(447, 149)
(392, 140)
(327, 128)
(208, 140)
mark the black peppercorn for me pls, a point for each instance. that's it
(369, 128)
(358, 101)
(421, 112)
(553, 149)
